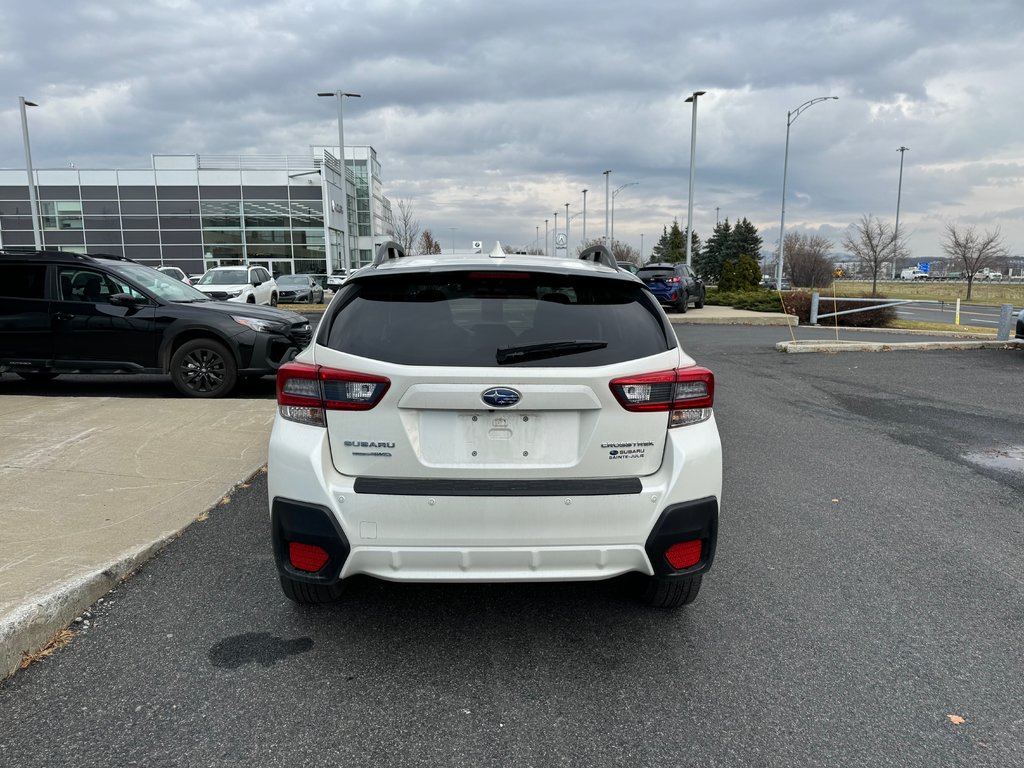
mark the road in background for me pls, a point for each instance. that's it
(864, 609)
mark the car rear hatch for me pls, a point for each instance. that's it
(494, 377)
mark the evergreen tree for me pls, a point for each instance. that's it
(746, 241)
(717, 250)
(671, 247)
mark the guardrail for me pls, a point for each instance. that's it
(1006, 313)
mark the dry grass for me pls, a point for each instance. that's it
(61, 640)
(982, 292)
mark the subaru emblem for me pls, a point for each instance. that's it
(500, 397)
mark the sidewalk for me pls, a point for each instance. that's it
(94, 486)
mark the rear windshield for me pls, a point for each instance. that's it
(649, 272)
(490, 319)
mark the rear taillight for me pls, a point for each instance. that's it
(686, 393)
(305, 392)
(673, 280)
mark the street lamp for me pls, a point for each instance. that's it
(452, 230)
(790, 119)
(689, 200)
(641, 247)
(566, 229)
(896, 231)
(545, 237)
(584, 238)
(340, 96)
(33, 203)
(606, 177)
(616, 192)
(554, 235)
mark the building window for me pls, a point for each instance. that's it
(61, 214)
(221, 213)
(266, 213)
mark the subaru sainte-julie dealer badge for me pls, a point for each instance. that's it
(500, 397)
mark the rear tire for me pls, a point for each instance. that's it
(273, 299)
(681, 307)
(699, 304)
(304, 593)
(670, 591)
(203, 368)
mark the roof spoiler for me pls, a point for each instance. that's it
(387, 251)
(599, 254)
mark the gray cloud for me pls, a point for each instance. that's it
(489, 117)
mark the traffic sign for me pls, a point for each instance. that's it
(560, 241)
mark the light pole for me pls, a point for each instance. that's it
(545, 237)
(692, 98)
(790, 119)
(616, 192)
(896, 231)
(536, 240)
(641, 248)
(33, 203)
(606, 177)
(554, 236)
(452, 230)
(566, 229)
(584, 238)
(340, 96)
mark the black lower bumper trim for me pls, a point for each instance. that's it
(688, 521)
(309, 524)
(399, 486)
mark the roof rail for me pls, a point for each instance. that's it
(599, 254)
(387, 251)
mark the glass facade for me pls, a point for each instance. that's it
(197, 213)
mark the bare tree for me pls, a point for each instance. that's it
(974, 251)
(808, 260)
(873, 243)
(428, 244)
(407, 227)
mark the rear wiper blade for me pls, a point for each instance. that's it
(543, 350)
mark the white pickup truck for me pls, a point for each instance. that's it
(989, 274)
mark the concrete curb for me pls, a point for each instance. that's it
(795, 347)
(761, 318)
(31, 627)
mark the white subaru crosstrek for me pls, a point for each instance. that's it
(494, 418)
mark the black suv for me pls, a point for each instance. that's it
(674, 285)
(72, 313)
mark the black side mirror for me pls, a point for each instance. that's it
(123, 300)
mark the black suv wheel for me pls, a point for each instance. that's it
(203, 368)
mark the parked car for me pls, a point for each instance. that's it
(629, 266)
(1020, 324)
(769, 282)
(248, 285)
(64, 313)
(177, 274)
(495, 417)
(336, 279)
(298, 289)
(674, 284)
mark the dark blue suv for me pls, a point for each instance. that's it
(674, 285)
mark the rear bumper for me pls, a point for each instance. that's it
(559, 535)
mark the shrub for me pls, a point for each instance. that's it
(740, 274)
(799, 303)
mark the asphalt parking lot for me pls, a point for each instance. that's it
(865, 609)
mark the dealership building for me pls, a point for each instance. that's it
(283, 212)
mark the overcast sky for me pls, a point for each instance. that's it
(488, 117)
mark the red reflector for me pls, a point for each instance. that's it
(683, 554)
(306, 557)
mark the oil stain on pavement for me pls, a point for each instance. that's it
(256, 648)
